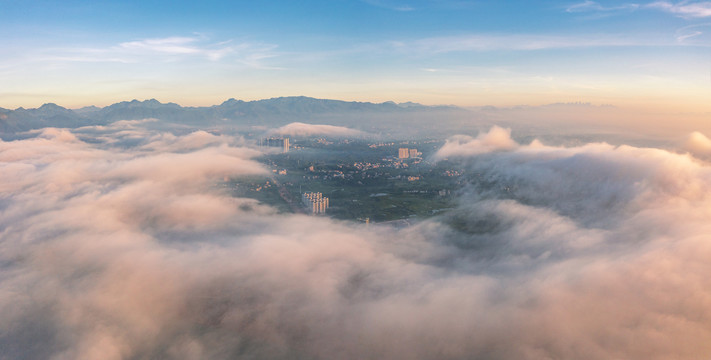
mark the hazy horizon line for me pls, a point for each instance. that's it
(374, 102)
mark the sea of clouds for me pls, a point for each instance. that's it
(120, 242)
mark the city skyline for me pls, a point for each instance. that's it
(647, 55)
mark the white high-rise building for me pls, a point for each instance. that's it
(315, 201)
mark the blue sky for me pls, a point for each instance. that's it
(76, 53)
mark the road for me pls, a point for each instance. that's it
(286, 195)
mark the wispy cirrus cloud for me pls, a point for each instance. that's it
(177, 46)
(688, 35)
(391, 5)
(488, 42)
(169, 49)
(686, 9)
(588, 5)
(170, 45)
(418, 5)
(697, 34)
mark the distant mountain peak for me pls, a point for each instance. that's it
(409, 104)
(50, 109)
(231, 101)
(49, 106)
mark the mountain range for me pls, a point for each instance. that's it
(268, 112)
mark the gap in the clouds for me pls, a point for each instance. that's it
(365, 180)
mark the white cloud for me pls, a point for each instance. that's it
(177, 48)
(489, 42)
(686, 9)
(302, 129)
(684, 37)
(588, 5)
(389, 4)
(698, 144)
(497, 139)
(171, 45)
(114, 252)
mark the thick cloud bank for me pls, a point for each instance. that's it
(698, 144)
(302, 129)
(111, 251)
(497, 139)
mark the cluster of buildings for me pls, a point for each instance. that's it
(363, 166)
(315, 201)
(380, 144)
(276, 142)
(452, 173)
(323, 141)
(404, 153)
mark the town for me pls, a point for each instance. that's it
(353, 179)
